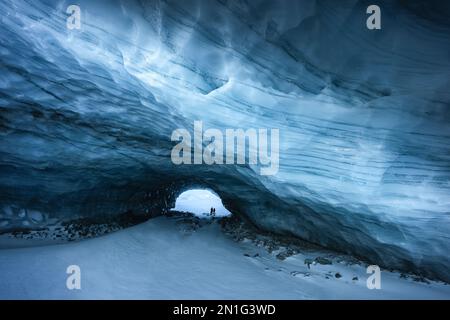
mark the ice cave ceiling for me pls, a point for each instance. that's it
(87, 115)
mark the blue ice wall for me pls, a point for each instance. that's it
(86, 116)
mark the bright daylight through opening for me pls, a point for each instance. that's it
(199, 202)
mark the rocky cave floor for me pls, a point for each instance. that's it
(70, 230)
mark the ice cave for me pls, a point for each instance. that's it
(200, 202)
(87, 113)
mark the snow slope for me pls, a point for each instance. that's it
(162, 259)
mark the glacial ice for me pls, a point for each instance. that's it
(163, 259)
(86, 116)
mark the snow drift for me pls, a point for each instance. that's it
(86, 116)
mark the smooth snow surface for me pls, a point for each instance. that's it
(159, 259)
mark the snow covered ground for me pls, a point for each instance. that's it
(164, 258)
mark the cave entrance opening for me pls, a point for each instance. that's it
(200, 202)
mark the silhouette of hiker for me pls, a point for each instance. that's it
(213, 212)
